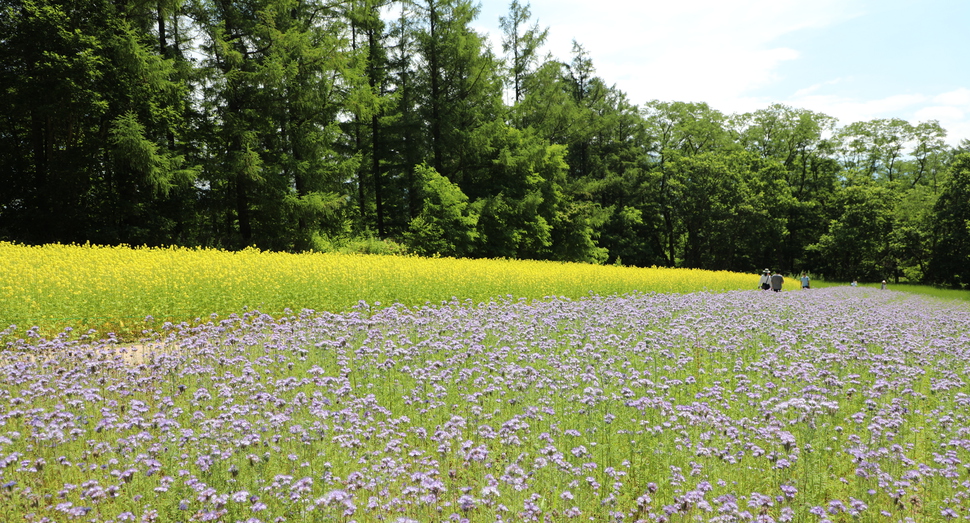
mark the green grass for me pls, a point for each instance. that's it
(914, 288)
(928, 290)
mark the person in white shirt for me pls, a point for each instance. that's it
(765, 282)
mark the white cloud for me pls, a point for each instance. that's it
(720, 77)
(712, 51)
(849, 110)
(722, 51)
(957, 131)
(914, 108)
(955, 117)
(805, 92)
(942, 113)
(959, 97)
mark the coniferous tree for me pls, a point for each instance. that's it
(521, 44)
(91, 115)
(279, 76)
(370, 46)
(404, 134)
(458, 87)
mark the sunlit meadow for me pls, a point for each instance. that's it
(839, 404)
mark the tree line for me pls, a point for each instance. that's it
(393, 125)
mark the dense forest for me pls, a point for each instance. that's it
(393, 126)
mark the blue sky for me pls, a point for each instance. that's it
(851, 59)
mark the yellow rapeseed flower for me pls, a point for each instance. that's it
(117, 288)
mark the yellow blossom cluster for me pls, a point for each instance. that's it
(117, 288)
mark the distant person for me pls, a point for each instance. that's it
(805, 281)
(765, 280)
(776, 282)
(855, 283)
(883, 286)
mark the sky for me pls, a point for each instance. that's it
(855, 60)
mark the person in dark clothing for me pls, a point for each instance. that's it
(776, 282)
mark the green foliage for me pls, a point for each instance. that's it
(458, 89)
(876, 146)
(856, 245)
(518, 194)
(133, 151)
(725, 204)
(950, 264)
(358, 245)
(446, 224)
(912, 236)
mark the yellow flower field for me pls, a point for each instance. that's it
(116, 288)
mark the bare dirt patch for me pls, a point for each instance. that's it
(141, 353)
(133, 354)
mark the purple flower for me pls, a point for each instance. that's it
(466, 503)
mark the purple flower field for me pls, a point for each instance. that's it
(838, 404)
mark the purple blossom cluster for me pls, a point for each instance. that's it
(826, 405)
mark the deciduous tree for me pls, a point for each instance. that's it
(950, 264)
